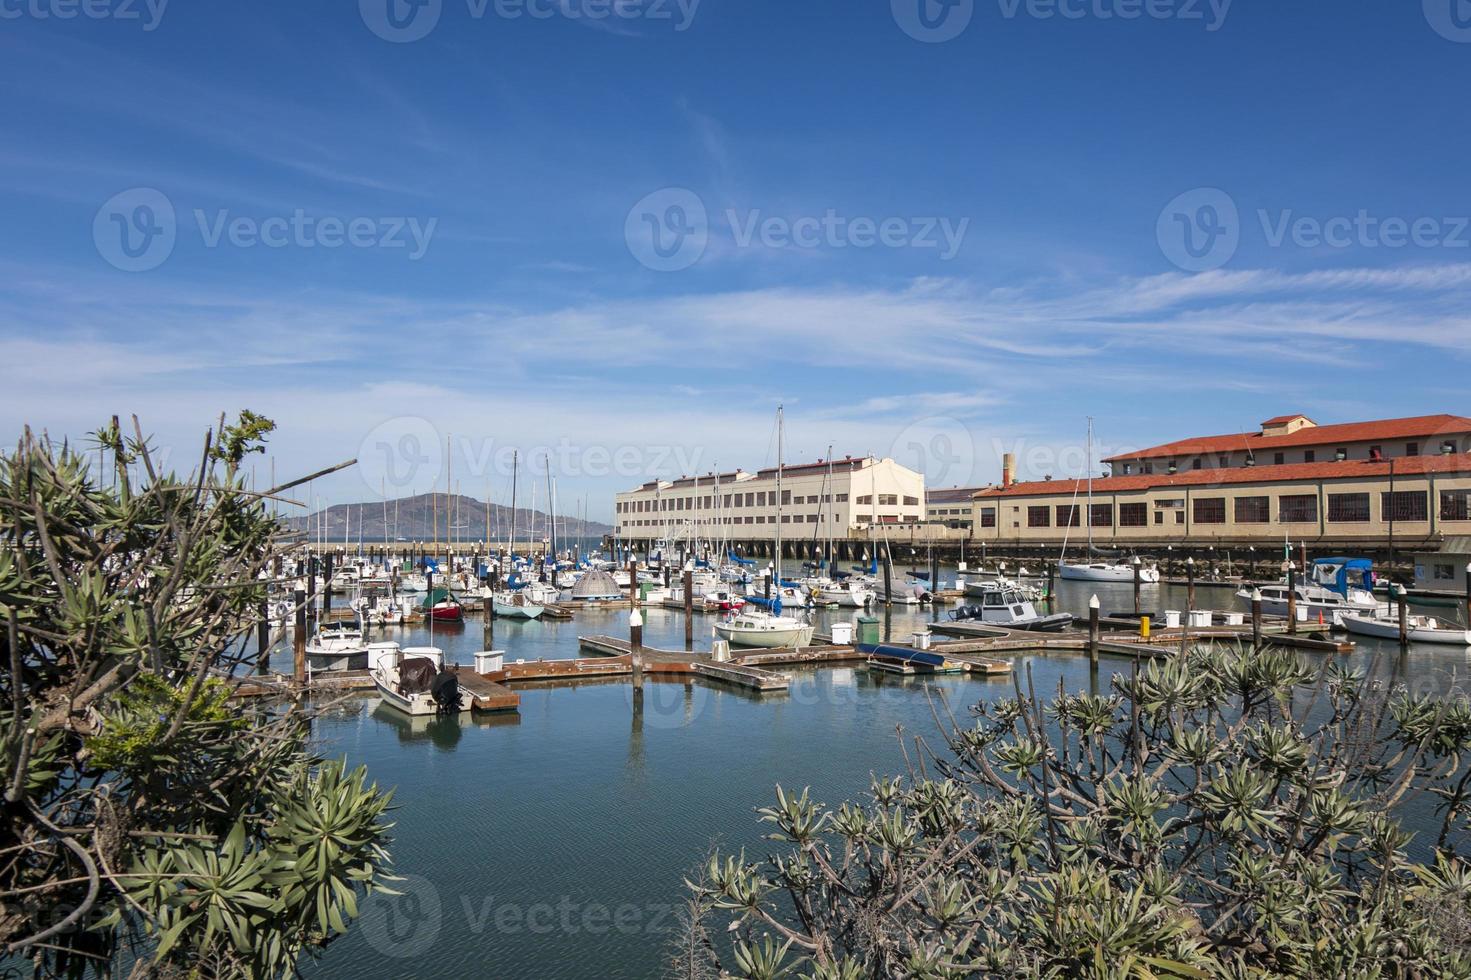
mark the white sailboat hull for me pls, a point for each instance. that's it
(1420, 630)
(1105, 572)
(799, 635)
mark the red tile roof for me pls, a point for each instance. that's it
(1407, 466)
(1314, 435)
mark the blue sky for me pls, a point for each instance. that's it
(933, 242)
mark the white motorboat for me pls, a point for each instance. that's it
(516, 605)
(414, 680)
(1421, 629)
(381, 610)
(1314, 601)
(336, 648)
(1106, 571)
(762, 629)
(847, 593)
(1009, 608)
(413, 582)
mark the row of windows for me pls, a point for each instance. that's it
(788, 519)
(759, 498)
(1342, 508)
(1223, 460)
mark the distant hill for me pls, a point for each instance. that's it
(457, 516)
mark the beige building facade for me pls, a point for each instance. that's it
(821, 499)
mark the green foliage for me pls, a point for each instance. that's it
(145, 809)
(1225, 812)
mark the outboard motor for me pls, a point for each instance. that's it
(445, 690)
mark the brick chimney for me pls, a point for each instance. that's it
(1008, 469)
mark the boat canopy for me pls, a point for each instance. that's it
(740, 561)
(774, 603)
(1341, 574)
(434, 598)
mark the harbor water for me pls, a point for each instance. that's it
(552, 843)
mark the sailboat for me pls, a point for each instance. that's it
(761, 628)
(1098, 571)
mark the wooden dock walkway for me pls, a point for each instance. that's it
(487, 694)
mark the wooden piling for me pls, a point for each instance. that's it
(1190, 584)
(689, 610)
(327, 586)
(888, 579)
(263, 636)
(1404, 616)
(632, 582)
(1138, 585)
(298, 640)
(1093, 629)
(487, 607)
(1256, 618)
(1292, 599)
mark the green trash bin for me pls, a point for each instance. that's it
(868, 630)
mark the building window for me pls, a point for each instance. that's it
(1069, 516)
(1210, 510)
(750, 502)
(1404, 505)
(1223, 460)
(1309, 456)
(988, 517)
(1449, 446)
(1348, 508)
(1455, 505)
(1445, 573)
(1133, 515)
(762, 520)
(1195, 463)
(1298, 509)
(811, 518)
(1412, 449)
(1253, 510)
(1148, 467)
(1127, 469)
(1341, 453)
(1376, 452)
(1278, 459)
(888, 500)
(1038, 517)
(1102, 515)
(1159, 517)
(867, 499)
(911, 501)
(842, 498)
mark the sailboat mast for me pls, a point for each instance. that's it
(779, 448)
(1089, 463)
(511, 543)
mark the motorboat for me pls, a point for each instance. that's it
(380, 610)
(1421, 629)
(846, 593)
(414, 680)
(758, 628)
(335, 648)
(413, 582)
(1313, 601)
(516, 605)
(1011, 609)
